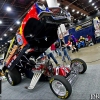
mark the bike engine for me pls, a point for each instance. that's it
(49, 66)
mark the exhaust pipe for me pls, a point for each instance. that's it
(72, 77)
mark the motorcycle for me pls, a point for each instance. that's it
(36, 33)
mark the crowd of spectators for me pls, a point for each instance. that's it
(60, 48)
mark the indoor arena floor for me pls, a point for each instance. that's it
(86, 85)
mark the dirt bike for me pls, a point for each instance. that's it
(36, 33)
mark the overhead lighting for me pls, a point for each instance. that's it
(8, 9)
(10, 29)
(0, 38)
(90, 1)
(73, 10)
(0, 22)
(58, 4)
(66, 7)
(5, 43)
(5, 34)
(31, 35)
(8, 41)
(77, 12)
(18, 22)
(95, 7)
(84, 15)
(92, 4)
(2, 45)
(81, 13)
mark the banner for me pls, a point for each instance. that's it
(84, 25)
(62, 29)
(96, 22)
(52, 3)
(66, 33)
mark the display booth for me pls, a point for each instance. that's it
(83, 32)
(84, 29)
(96, 22)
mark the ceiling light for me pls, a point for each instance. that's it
(5, 43)
(90, 0)
(31, 35)
(81, 13)
(0, 38)
(10, 29)
(73, 10)
(58, 4)
(92, 4)
(18, 22)
(84, 15)
(2, 45)
(0, 22)
(8, 41)
(8, 9)
(5, 34)
(77, 12)
(66, 7)
(95, 7)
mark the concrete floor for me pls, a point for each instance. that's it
(86, 84)
(88, 54)
(91, 55)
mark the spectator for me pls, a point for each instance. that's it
(63, 46)
(50, 55)
(69, 45)
(89, 37)
(73, 41)
(73, 45)
(90, 42)
(57, 45)
(72, 37)
(82, 41)
(53, 48)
